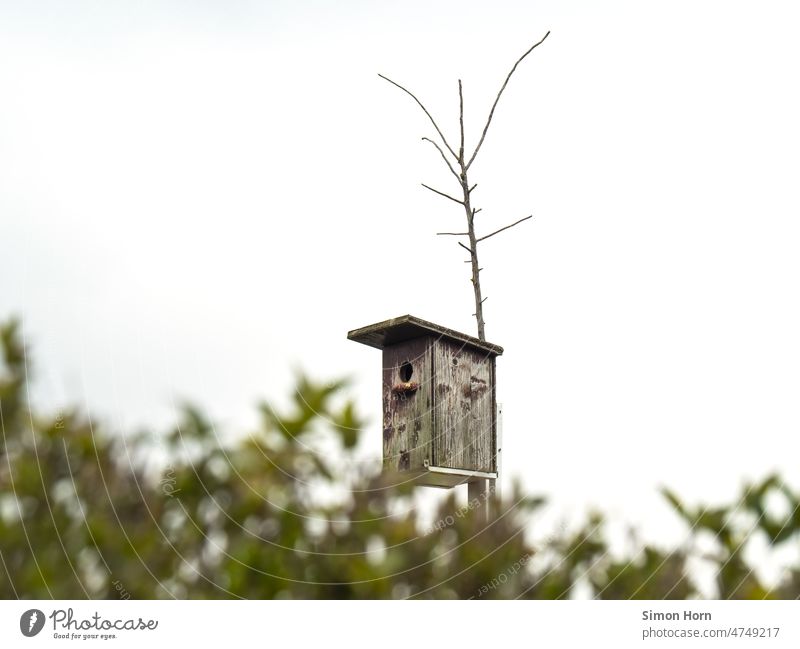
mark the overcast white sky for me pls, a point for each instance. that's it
(196, 197)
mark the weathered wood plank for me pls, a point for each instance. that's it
(407, 405)
(482, 425)
(463, 436)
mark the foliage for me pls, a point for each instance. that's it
(287, 511)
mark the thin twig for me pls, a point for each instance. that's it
(505, 228)
(505, 83)
(436, 191)
(468, 249)
(455, 234)
(430, 117)
(444, 157)
(461, 123)
(473, 187)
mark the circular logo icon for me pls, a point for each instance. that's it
(31, 622)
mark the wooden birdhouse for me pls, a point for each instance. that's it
(439, 409)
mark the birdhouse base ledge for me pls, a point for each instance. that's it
(445, 477)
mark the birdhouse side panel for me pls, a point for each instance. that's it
(464, 407)
(407, 405)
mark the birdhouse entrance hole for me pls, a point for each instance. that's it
(406, 372)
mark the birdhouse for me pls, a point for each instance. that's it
(439, 408)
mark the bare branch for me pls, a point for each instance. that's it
(505, 83)
(530, 216)
(444, 157)
(484, 299)
(461, 122)
(460, 171)
(433, 121)
(436, 191)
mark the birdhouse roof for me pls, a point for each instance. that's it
(408, 327)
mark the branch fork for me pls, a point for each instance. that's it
(459, 167)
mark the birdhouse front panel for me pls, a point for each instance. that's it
(407, 405)
(464, 405)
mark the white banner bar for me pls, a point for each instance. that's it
(399, 624)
